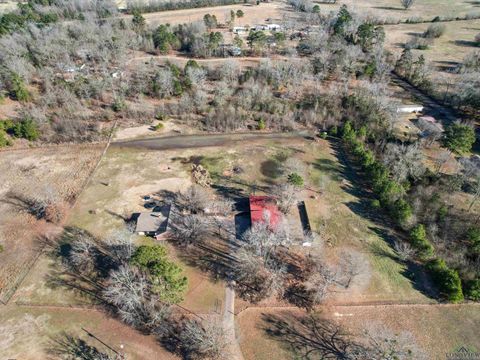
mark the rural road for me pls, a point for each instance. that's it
(197, 141)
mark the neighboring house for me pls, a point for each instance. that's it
(154, 223)
(239, 29)
(264, 208)
(260, 27)
(273, 27)
(409, 109)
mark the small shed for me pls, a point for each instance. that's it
(264, 208)
(153, 223)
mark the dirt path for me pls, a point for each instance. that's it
(197, 141)
(179, 58)
(229, 324)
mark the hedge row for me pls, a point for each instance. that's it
(392, 198)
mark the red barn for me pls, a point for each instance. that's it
(264, 208)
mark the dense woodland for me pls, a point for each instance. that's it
(332, 79)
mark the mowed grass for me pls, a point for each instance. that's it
(436, 329)
(341, 215)
(32, 333)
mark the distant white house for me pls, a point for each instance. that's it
(239, 29)
(273, 27)
(409, 109)
(260, 27)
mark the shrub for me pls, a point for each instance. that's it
(418, 43)
(160, 116)
(434, 31)
(29, 130)
(1, 248)
(333, 131)
(158, 127)
(18, 90)
(418, 238)
(473, 237)
(446, 279)
(401, 211)
(261, 124)
(375, 204)
(119, 104)
(295, 179)
(3, 138)
(472, 289)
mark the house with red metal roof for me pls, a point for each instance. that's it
(264, 209)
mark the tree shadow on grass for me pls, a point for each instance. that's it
(389, 8)
(330, 167)
(384, 227)
(310, 337)
(66, 346)
(85, 283)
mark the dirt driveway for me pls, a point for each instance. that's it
(196, 141)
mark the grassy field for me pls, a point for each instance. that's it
(61, 171)
(392, 8)
(32, 333)
(448, 50)
(427, 324)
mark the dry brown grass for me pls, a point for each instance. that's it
(436, 329)
(28, 172)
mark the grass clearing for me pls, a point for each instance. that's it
(427, 324)
(62, 171)
(392, 9)
(31, 333)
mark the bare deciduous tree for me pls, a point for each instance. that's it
(196, 199)
(120, 245)
(189, 229)
(404, 250)
(327, 278)
(287, 195)
(404, 161)
(258, 278)
(204, 340)
(127, 290)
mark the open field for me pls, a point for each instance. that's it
(427, 324)
(446, 51)
(392, 9)
(61, 171)
(37, 333)
(253, 14)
